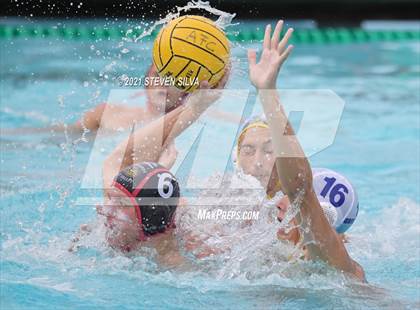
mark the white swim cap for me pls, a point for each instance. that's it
(337, 197)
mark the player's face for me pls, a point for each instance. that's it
(256, 156)
(117, 204)
(115, 197)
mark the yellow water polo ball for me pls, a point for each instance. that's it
(191, 49)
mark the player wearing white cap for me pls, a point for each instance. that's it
(293, 174)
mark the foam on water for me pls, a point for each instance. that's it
(253, 254)
(255, 258)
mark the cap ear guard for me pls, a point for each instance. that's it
(145, 184)
(337, 197)
(156, 219)
(329, 212)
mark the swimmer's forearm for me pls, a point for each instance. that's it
(294, 170)
(89, 122)
(147, 143)
(296, 179)
(59, 128)
(322, 242)
(192, 110)
(144, 144)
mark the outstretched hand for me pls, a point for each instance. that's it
(206, 95)
(263, 75)
(288, 234)
(215, 91)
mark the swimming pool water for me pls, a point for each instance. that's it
(377, 146)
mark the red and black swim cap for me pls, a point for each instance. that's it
(154, 191)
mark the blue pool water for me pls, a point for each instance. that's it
(377, 146)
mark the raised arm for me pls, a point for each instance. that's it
(90, 121)
(147, 143)
(293, 167)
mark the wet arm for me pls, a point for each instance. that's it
(293, 168)
(147, 143)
